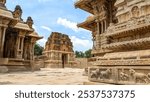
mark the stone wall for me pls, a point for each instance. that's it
(81, 62)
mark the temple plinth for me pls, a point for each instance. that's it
(121, 38)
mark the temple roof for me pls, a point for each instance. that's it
(6, 13)
(88, 24)
(85, 5)
(35, 35)
(23, 26)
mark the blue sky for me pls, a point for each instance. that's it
(55, 16)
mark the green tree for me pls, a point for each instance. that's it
(38, 49)
(79, 54)
(88, 53)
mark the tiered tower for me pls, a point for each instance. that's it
(59, 51)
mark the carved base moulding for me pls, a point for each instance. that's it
(128, 75)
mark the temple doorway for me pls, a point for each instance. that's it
(64, 60)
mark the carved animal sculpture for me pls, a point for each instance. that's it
(95, 73)
(124, 76)
(139, 76)
(105, 74)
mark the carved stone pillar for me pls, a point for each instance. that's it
(105, 23)
(3, 32)
(102, 29)
(20, 46)
(98, 26)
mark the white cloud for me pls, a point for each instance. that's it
(67, 24)
(42, 42)
(77, 42)
(46, 28)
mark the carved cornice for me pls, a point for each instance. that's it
(127, 44)
(132, 24)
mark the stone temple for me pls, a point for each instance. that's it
(121, 38)
(58, 51)
(17, 39)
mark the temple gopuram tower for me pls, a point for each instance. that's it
(59, 51)
(17, 39)
(121, 37)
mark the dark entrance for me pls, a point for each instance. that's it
(64, 60)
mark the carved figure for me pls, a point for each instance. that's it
(139, 77)
(105, 74)
(135, 11)
(124, 76)
(95, 73)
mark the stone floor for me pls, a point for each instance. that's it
(47, 76)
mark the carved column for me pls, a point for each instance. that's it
(98, 26)
(20, 46)
(3, 32)
(105, 23)
(102, 29)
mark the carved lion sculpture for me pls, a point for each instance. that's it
(95, 73)
(141, 77)
(105, 74)
(124, 76)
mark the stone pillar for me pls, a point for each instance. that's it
(102, 27)
(3, 32)
(98, 28)
(69, 57)
(0, 34)
(105, 25)
(18, 47)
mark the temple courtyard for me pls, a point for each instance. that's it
(47, 76)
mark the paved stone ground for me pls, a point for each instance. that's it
(47, 76)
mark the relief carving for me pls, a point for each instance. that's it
(95, 74)
(101, 74)
(124, 76)
(139, 77)
(105, 74)
(135, 11)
